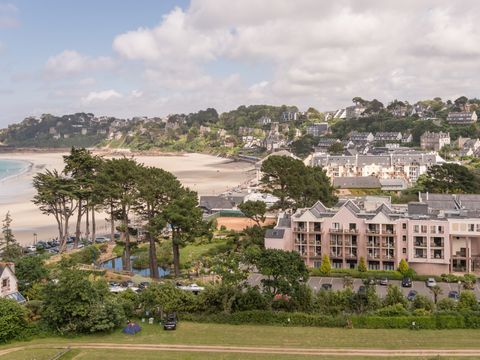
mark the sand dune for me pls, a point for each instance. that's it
(206, 174)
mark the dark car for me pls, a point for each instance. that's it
(407, 282)
(170, 323)
(362, 290)
(454, 295)
(326, 287)
(412, 294)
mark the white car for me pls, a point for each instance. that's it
(32, 248)
(193, 288)
(101, 239)
(431, 282)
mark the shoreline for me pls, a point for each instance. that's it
(205, 174)
(24, 170)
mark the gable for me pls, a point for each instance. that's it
(380, 218)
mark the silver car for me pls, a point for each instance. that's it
(431, 282)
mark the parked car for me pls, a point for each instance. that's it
(407, 282)
(101, 239)
(362, 290)
(383, 281)
(31, 248)
(454, 295)
(369, 281)
(326, 287)
(412, 294)
(171, 322)
(431, 282)
(194, 288)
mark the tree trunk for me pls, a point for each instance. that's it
(87, 222)
(126, 263)
(65, 233)
(153, 257)
(79, 222)
(112, 224)
(62, 246)
(176, 254)
(94, 225)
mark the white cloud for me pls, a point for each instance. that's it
(71, 62)
(101, 96)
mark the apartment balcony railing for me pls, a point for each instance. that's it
(433, 244)
(336, 243)
(335, 254)
(336, 231)
(350, 243)
(420, 244)
(351, 255)
(300, 229)
(389, 232)
(373, 231)
(420, 256)
(351, 231)
(373, 256)
(388, 244)
(372, 244)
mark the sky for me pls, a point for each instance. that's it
(154, 57)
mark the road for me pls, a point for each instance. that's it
(261, 350)
(316, 282)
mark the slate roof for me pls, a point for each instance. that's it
(274, 233)
(215, 202)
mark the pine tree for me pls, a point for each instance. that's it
(403, 267)
(7, 233)
(325, 267)
(362, 266)
(9, 249)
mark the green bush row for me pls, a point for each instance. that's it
(356, 321)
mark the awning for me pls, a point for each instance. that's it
(16, 296)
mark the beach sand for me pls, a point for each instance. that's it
(206, 174)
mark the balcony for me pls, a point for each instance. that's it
(300, 229)
(351, 255)
(420, 256)
(336, 231)
(373, 231)
(420, 243)
(436, 244)
(336, 254)
(388, 244)
(351, 231)
(373, 244)
(373, 256)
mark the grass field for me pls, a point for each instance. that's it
(247, 335)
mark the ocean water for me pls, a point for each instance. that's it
(10, 168)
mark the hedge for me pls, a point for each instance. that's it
(259, 317)
(269, 318)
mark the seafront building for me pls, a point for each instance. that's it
(436, 235)
(405, 165)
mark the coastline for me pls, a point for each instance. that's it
(206, 174)
(26, 169)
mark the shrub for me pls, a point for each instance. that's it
(87, 255)
(362, 266)
(446, 304)
(250, 299)
(392, 310)
(467, 301)
(403, 267)
(422, 302)
(13, 320)
(394, 296)
(325, 266)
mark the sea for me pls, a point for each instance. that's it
(10, 168)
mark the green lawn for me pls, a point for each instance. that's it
(265, 336)
(194, 251)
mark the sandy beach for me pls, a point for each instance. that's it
(206, 174)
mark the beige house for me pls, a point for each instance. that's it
(434, 140)
(8, 282)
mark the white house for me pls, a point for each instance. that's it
(8, 282)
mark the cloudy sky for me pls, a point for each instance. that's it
(154, 57)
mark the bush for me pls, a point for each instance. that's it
(87, 255)
(13, 320)
(250, 299)
(446, 304)
(392, 310)
(422, 302)
(467, 301)
(269, 318)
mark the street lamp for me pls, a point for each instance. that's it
(34, 238)
(459, 286)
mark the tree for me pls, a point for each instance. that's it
(82, 166)
(156, 189)
(254, 210)
(295, 184)
(325, 266)
(119, 178)
(362, 266)
(449, 178)
(394, 296)
(285, 270)
(232, 269)
(436, 290)
(403, 267)
(30, 270)
(422, 302)
(185, 219)
(303, 146)
(468, 301)
(75, 304)
(447, 304)
(13, 320)
(56, 196)
(165, 298)
(336, 148)
(9, 248)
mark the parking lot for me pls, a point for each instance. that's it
(337, 284)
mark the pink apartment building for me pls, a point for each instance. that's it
(433, 241)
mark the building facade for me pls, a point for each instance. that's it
(432, 242)
(462, 118)
(434, 140)
(408, 166)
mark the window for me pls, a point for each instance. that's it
(404, 250)
(471, 227)
(317, 264)
(404, 237)
(404, 226)
(416, 228)
(336, 225)
(424, 228)
(5, 283)
(352, 226)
